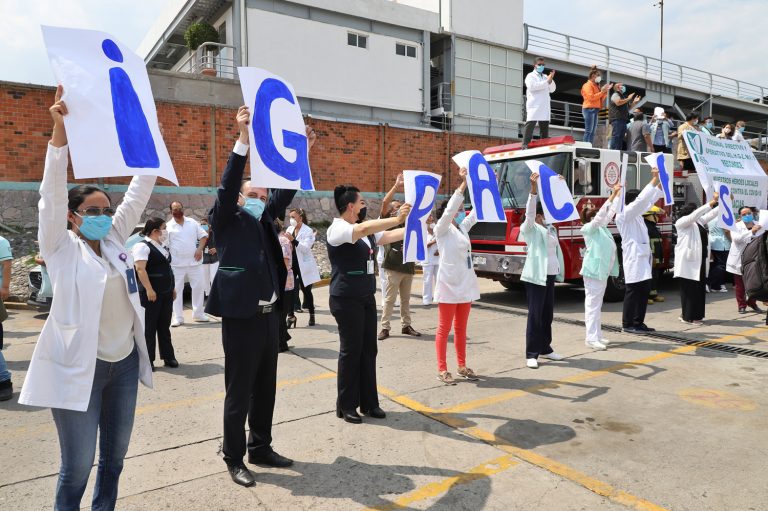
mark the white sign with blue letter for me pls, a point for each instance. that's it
(556, 199)
(482, 185)
(279, 146)
(420, 191)
(665, 176)
(112, 126)
(726, 219)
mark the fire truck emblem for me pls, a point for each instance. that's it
(612, 174)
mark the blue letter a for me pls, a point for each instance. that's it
(479, 185)
(271, 90)
(414, 224)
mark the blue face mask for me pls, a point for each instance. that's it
(95, 227)
(255, 207)
(460, 217)
(747, 219)
(205, 228)
(710, 125)
(540, 68)
(623, 89)
(741, 130)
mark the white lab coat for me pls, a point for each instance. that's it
(635, 244)
(307, 264)
(62, 367)
(456, 279)
(688, 250)
(537, 91)
(740, 238)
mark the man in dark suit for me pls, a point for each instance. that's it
(245, 294)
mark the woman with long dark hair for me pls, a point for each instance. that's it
(91, 352)
(351, 242)
(153, 267)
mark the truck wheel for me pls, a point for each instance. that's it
(511, 285)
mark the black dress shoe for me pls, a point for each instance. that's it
(351, 417)
(172, 362)
(241, 475)
(376, 413)
(271, 460)
(645, 328)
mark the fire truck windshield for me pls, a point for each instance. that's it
(514, 176)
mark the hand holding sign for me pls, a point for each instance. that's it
(280, 142)
(556, 199)
(483, 187)
(657, 160)
(420, 190)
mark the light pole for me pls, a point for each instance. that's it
(660, 4)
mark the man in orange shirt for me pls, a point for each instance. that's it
(594, 97)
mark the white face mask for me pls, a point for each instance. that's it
(293, 222)
(598, 79)
(163, 239)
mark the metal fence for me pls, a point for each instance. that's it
(210, 58)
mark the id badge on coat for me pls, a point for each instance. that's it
(130, 277)
(370, 266)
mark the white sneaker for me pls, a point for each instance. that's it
(532, 363)
(176, 322)
(706, 288)
(680, 318)
(554, 356)
(595, 345)
(605, 342)
(723, 290)
(204, 319)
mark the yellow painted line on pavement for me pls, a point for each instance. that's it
(436, 489)
(159, 407)
(588, 375)
(590, 483)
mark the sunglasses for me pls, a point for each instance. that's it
(94, 211)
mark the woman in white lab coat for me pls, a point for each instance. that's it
(304, 265)
(91, 351)
(746, 229)
(692, 258)
(456, 286)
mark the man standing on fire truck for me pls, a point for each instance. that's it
(637, 256)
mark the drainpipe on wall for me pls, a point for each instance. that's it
(382, 152)
(213, 146)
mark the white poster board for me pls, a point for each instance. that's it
(420, 192)
(726, 217)
(112, 127)
(482, 185)
(730, 162)
(623, 180)
(279, 145)
(666, 177)
(556, 199)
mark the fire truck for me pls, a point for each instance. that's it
(497, 250)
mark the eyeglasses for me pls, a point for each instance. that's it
(94, 211)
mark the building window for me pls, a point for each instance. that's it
(359, 40)
(406, 50)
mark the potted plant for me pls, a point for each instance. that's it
(198, 33)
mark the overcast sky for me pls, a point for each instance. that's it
(721, 36)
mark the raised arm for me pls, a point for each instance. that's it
(530, 206)
(706, 209)
(387, 200)
(134, 203)
(454, 203)
(648, 196)
(369, 227)
(224, 209)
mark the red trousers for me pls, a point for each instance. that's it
(458, 314)
(741, 294)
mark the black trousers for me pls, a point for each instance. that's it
(157, 326)
(250, 377)
(717, 272)
(692, 297)
(541, 304)
(528, 131)
(636, 303)
(356, 318)
(309, 300)
(655, 277)
(661, 149)
(286, 309)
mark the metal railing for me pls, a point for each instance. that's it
(440, 98)
(210, 58)
(573, 49)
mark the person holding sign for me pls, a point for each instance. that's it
(91, 352)
(599, 263)
(692, 258)
(456, 281)
(543, 266)
(637, 254)
(683, 156)
(245, 291)
(351, 243)
(746, 229)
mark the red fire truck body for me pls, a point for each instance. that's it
(591, 173)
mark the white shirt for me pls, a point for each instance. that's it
(141, 250)
(116, 322)
(553, 265)
(537, 91)
(456, 279)
(183, 240)
(341, 231)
